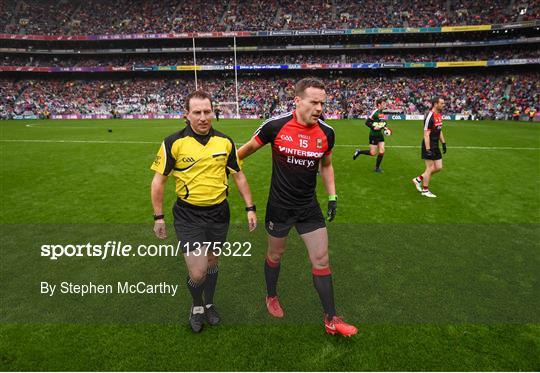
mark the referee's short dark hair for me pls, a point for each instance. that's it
(379, 101)
(303, 84)
(198, 94)
(435, 100)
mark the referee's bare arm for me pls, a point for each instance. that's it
(243, 188)
(157, 192)
(249, 148)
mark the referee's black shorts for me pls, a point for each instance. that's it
(434, 146)
(279, 220)
(195, 225)
(375, 139)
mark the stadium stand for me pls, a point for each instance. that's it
(486, 95)
(49, 17)
(273, 58)
(121, 76)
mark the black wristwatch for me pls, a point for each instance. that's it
(251, 208)
(157, 217)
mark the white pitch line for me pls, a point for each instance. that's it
(337, 145)
(81, 141)
(459, 147)
(160, 126)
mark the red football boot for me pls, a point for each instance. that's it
(273, 306)
(338, 326)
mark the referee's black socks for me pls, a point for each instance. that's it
(379, 160)
(322, 280)
(365, 152)
(210, 284)
(196, 290)
(271, 275)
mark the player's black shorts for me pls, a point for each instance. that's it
(195, 225)
(375, 139)
(435, 149)
(279, 220)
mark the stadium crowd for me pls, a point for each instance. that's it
(486, 95)
(53, 17)
(382, 55)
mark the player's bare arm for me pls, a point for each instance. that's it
(243, 188)
(443, 142)
(426, 139)
(249, 148)
(327, 175)
(157, 191)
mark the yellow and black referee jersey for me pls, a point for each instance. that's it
(199, 163)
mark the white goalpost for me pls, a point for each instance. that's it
(228, 109)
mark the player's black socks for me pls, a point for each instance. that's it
(322, 280)
(210, 284)
(365, 152)
(271, 275)
(196, 290)
(379, 160)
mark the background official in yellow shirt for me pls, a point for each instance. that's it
(200, 160)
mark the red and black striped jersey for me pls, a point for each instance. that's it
(296, 152)
(433, 124)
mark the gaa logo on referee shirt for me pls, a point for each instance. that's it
(286, 138)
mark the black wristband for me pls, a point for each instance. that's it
(157, 217)
(251, 208)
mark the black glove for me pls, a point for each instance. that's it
(429, 153)
(332, 208)
(444, 148)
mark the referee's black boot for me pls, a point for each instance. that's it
(196, 319)
(212, 315)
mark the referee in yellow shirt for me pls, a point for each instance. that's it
(200, 160)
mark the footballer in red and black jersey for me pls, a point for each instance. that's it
(431, 153)
(301, 141)
(296, 152)
(433, 124)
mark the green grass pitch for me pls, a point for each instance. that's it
(434, 284)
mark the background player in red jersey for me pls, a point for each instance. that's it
(300, 141)
(431, 153)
